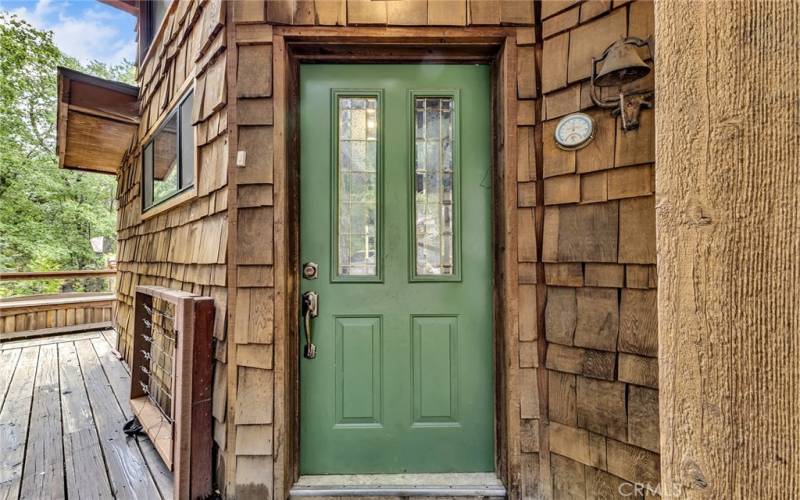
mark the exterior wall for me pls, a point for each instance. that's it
(728, 171)
(599, 265)
(253, 298)
(261, 435)
(599, 255)
(580, 400)
(184, 247)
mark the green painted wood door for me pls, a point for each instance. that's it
(395, 209)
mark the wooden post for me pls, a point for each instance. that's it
(728, 234)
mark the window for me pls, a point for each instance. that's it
(153, 13)
(357, 187)
(168, 158)
(434, 183)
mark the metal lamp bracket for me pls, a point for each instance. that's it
(630, 106)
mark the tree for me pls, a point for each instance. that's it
(47, 214)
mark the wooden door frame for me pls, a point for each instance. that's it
(293, 45)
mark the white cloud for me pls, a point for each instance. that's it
(84, 33)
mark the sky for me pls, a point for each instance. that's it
(85, 29)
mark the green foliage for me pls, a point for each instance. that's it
(47, 215)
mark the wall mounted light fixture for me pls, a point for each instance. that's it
(620, 64)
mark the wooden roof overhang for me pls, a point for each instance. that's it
(97, 119)
(129, 6)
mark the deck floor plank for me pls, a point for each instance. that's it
(14, 418)
(63, 402)
(120, 381)
(44, 457)
(130, 476)
(55, 339)
(111, 338)
(83, 458)
(8, 363)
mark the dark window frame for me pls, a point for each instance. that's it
(147, 181)
(148, 29)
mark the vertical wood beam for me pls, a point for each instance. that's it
(543, 373)
(231, 63)
(283, 473)
(506, 165)
(728, 235)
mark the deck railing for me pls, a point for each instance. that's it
(53, 313)
(47, 275)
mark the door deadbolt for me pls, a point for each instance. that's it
(310, 271)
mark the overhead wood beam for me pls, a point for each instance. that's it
(108, 115)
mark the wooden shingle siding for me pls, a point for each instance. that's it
(586, 362)
(599, 219)
(582, 346)
(184, 247)
(568, 477)
(564, 274)
(385, 12)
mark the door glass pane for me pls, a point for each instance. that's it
(357, 186)
(433, 198)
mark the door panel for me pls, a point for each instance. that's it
(358, 370)
(395, 210)
(435, 363)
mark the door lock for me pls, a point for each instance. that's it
(310, 310)
(310, 271)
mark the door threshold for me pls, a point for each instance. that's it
(479, 484)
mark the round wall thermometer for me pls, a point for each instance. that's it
(574, 131)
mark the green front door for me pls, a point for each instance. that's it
(395, 211)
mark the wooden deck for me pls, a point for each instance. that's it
(63, 402)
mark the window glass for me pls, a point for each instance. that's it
(357, 186)
(158, 10)
(187, 142)
(166, 180)
(168, 158)
(154, 12)
(433, 174)
(147, 185)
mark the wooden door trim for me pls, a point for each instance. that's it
(294, 45)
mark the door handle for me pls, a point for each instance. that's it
(310, 310)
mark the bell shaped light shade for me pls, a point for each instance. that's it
(621, 64)
(618, 65)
